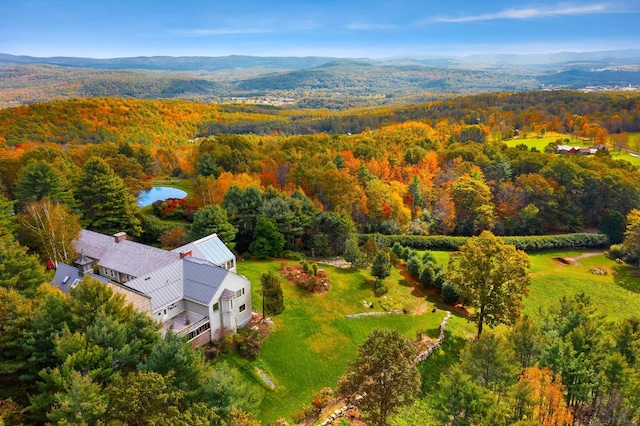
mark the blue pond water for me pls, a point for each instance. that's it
(159, 193)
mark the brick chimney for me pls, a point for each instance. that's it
(120, 236)
(185, 254)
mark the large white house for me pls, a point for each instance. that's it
(193, 290)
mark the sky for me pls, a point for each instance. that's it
(335, 28)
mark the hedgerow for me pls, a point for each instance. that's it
(527, 243)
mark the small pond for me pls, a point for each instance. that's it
(156, 193)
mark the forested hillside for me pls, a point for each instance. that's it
(437, 168)
(375, 186)
(310, 82)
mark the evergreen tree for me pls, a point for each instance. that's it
(107, 206)
(18, 270)
(267, 240)
(352, 253)
(225, 388)
(39, 179)
(272, 299)
(381, 267)
(212, 220)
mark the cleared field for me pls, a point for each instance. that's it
(617, 294)
(312, 341)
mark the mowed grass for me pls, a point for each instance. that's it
(616, 295)
(536, 142)
(312, 341)
(541, 142)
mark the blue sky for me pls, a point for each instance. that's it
(341, 28)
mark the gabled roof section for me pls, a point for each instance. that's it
(164, 286)
(209, 248)
(136, 259)
(92, 244)
(126, 256)
(202, 280)
(67, 277)
(227, 294)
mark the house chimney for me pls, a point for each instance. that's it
(185, 254)
(120, 236)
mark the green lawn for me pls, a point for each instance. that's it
(538, 142)
(630, 157)
(617, 294)
(312, 341)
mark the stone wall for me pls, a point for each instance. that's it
(340, 412)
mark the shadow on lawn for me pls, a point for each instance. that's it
(440, 362)
(625, 277)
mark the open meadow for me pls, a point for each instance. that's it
(312, 341)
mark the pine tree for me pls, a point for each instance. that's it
(273, 302)
(17, 269)
(267, 240)
(381, 267)
(209, 220)
(107, 206)
(39, 179)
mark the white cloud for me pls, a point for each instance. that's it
(532, 12)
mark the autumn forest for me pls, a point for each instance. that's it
(389, 182)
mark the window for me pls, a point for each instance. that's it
(216, 306)
(242, 308)
(239, 293)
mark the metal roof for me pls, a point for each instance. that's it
(210, 248)
(67, 277)
(164, 285)
(202, 280)
(128, 257)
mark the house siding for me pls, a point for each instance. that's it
(140, 302)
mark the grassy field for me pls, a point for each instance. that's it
(312, 341)
(617, 294)
(541, 142)
(536, 142)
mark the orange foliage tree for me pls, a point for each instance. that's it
(545, 402)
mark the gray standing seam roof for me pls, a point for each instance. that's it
(210, 248)
(92, 244)
(163, 286)
(66, 277)
(202, 280)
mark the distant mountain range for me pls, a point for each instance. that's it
(308, 81)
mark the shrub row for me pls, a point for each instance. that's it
(526, 243)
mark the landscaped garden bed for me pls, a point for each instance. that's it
(307, 276)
